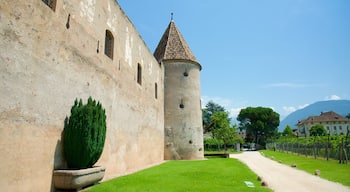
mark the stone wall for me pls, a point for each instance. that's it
(50, 57)
(183, 114)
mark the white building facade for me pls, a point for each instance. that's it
(334, 123)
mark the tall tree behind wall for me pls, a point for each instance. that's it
(260, 124)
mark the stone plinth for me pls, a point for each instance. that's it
(77, 179)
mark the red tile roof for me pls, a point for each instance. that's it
(325, 117)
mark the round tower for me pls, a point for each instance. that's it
(182, 105)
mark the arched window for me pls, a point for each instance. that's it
(139, 74)
(109, 44)
(50, 3)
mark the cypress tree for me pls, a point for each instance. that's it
(84, 134)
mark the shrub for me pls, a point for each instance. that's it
(84, 134)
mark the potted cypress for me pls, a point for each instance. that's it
(83, 141)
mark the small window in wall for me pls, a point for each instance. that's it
(109, 44)
(182, 104)
(185, 73)
(139, 74)
(50, 3)
(156, 90)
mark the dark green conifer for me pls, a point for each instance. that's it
(84, 134)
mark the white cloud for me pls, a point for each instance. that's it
(234, 112)
(303, 106)
(221, 101)
(332, 97)
(228, 104)
(291, 109)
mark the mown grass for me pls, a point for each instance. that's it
(214, 174)
(330, 170)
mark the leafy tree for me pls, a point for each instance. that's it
(212, 141)
(260, 124)
(348, 116)
(219, 120)
(207, 112)
(287, 131)
(318, 130)
(223, 131)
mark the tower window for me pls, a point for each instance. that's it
(109, 44)
(139, 74)
(156, 90)
(186, 73)
(182, 104)
(50, 3)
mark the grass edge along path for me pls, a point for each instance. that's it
(214, 174)
(330, 170)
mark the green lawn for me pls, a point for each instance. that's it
(330, 170)
(215, 174)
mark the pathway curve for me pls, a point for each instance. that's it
(282, 178)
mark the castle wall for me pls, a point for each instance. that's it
(45, 64)
(183, 114)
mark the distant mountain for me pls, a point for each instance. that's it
(342, 107)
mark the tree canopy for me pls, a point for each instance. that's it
(260, 124)
(222, 129)
(348, 116)
(288, 131)
(207, 113)
(216, 120)
(318, 130)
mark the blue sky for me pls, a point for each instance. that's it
(283, 54)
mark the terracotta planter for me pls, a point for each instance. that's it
(77, 179)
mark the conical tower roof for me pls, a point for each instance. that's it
(173, 46)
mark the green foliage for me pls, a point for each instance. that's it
(219, 120)
(334, 141)
(214, 174)
(260, 124)
(318, 130)
(213, 141)
(287, 132)
(348, 116)
(228, 135)
(207, 112)
(327, 147)
(216, 120)
(221, 129)
(84, 134)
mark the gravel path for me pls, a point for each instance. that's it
(282, 178)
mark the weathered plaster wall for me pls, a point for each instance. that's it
(183, 126)
(44, 66)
